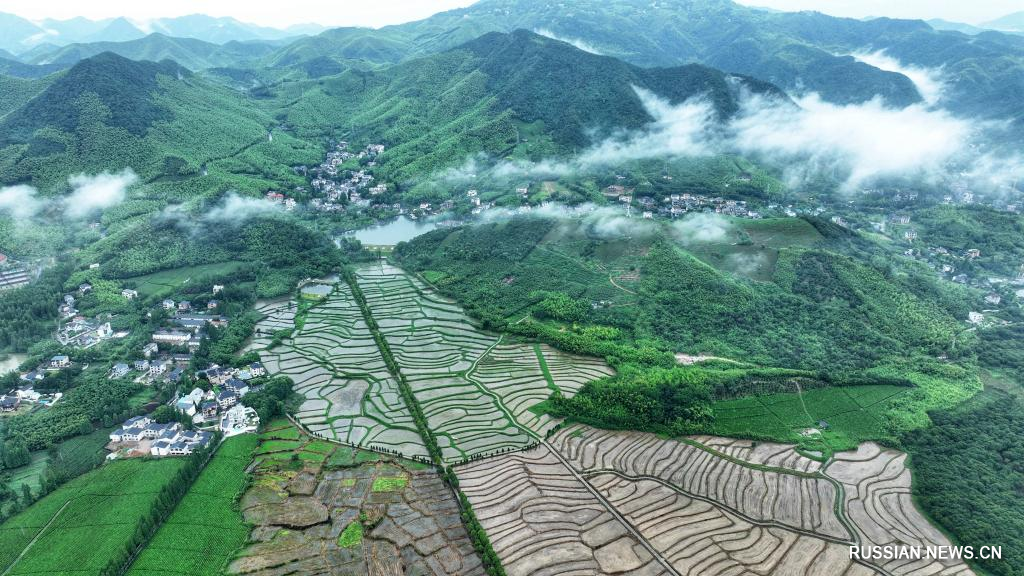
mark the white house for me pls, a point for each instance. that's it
(119, 370)
(129, 294)
(239, 420)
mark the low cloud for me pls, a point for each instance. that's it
(685, 129)
(92, 193)
(808, 139)
(602, 222)
(856, 142)
(702, 228)
(20, 202)
(746, 264)
(237, 209)
(928, 81)
(581, 44)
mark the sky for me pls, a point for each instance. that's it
(382, 12)
(275, 14)
(971, 12)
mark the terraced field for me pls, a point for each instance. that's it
(542, 520)
(788, 497)
(712, 505)
(878, 502)
(333, 360)
(474, 390)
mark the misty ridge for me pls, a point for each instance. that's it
(804, 137)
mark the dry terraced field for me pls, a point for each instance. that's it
(704, 505)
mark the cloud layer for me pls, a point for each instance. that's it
(92, 193)
(20, 202)
(928, 81)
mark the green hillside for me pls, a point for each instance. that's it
(491, 96)
(108, 112)
(819, 309)
(188, 52)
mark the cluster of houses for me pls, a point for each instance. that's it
(335, 187)
(228, 386)
(140, 436)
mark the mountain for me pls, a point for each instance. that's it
(940, 24)
(108, 112)
(504, 95)
(1010, 23)
(225, 29)
(190, 53)
(19, 69)
(17, 33)
(798, 51)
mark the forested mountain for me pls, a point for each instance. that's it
(108, 112)
(802, 51)
(190, 53)
(503, 94)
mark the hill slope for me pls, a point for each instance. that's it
(493, 94)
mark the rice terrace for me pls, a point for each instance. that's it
(551, 498)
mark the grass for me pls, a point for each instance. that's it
(389, 483)
(165, 282)
(268, 446)
(207, 527)
(351, 536)
(82, 525)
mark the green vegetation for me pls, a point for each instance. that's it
(968, 473)
(206, 528)
(94, 523)
(820, 310)
(352, 535)
(389, 483)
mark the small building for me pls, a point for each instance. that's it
(218, 288)
(172, 337)
(973, 253)
(257, 369)
(184, 306)
(129, 294)
(9, 403)
(975, 317)
(167, 304)
(59, 361)
(84, 288)
(237, 386)
(993, 299)
(227, 399)
(120, 370)
(141, 365)
(208, 409)
(212, 304)
(186, 405)
(149, 349)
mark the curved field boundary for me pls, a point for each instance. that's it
(699, 537)
(796, 499)
(335, 363)
(877, 499)
(542, 519)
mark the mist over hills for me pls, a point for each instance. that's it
(19, 35)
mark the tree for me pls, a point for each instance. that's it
(16, 453)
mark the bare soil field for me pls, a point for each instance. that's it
(383, 517)
(542, 520)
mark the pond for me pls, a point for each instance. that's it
(400, 229)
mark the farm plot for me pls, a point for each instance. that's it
(698, 537)
(524, 376)
(787, 497)
(336, 365)
(436, 345)
(206, 527)
(542, 520)
(83, 525)
(352, 517)
(878, 502)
